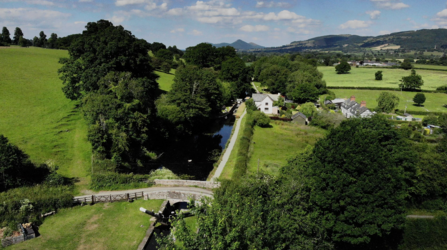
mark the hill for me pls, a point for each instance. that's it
(425, 39)
(240, 45)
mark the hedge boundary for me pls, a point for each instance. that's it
(382, 88)
(113, 181)
(240, 168)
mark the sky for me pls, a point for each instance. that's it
(186, 23)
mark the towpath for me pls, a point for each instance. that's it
(254, 86)
(229, 148)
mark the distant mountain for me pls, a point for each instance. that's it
(412, 40)
(240, 45)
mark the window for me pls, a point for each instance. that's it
(266, 109)
(266, 104)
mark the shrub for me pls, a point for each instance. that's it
(430, 119)
(419, 99)
(379, 75)
(250, 105)
(261, 119)
(442, 89)
(327, 120)
(112, 181)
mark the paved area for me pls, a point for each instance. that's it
(229, 149)
(153, 189)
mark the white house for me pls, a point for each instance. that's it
(350, 108)
(264, 103)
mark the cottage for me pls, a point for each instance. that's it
(264, 103)
(300, 118)
(350, 108)
(337, 102)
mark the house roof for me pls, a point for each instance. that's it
(299, 114)
(338, 100)
(354, 107)
(261, 97)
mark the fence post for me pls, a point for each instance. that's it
(127, 195)
(110, 198)
(93, 199)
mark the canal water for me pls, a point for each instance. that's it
(193, 157)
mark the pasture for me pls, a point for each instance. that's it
(426, 66)
(434, 102)
(36, 116)
(165, 81)
(274, 145)
(364, 77)
(118, 225)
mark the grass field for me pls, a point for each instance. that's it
(36, 116)
(364, 77)
(118, 225)
(166, 80)
(434, 102)
(274, 145)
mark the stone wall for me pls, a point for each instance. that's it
(177, 195)
(187, 183)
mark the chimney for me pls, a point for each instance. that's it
(363, 104)
(352, 98)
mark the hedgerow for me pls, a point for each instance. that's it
(114, 181)
(242, 158)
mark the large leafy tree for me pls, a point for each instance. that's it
(52, 42)
(235, 72)
(359, 177)
(411, 82)
(254, 213)
(6, 36)
(197, 94)
(222, 54)
(202, 55)
(343, 67)
(275, 78)
(387, 102)
(305, 84)
(419, 99)
(42, 39)
(165, 54)
(101, 49)
(17, 34)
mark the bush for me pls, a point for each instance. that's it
(442, 89)
(113, 181)
(250, 105)
(425, 234)
(379, 75)
(430, 119)
(261, 119)
(327, 120)
(25, 204)
(419, 99)
(242, 158)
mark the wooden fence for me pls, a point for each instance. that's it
(107, 198)
(280, 119)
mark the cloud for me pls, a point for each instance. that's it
(196, 33)
(355, 24)
(178, 30)
(441, 18)
(390, 4)
(36, 16)
(374, 14)
(250, 28)
(129, 2)
(273, 4)
(85, 1)
(421, 26)
(117, 19)
(299, 31)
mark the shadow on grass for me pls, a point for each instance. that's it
(417, 105)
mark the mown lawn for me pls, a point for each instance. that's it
(166, 80)
(364, 77)
(433, 103)
(118, 225)
(36, 116)
(274, 145)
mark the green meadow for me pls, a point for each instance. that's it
(118, 225)
(364, 77)
(425, 66)
(433, 103)
(166, 80)
(274, 145)
(36, 116)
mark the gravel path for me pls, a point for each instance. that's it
(229, 149)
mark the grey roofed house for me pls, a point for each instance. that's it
(300, 118)
(350, 108)
(261, 97)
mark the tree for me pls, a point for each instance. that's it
(359, 176)
(36, 41)
(261, 119)
(223, 54)
(42, 39)
(419, 99)
(407, 64)
(17, 34)
(164, 54)
(52, 42)
(305, 84)
(379, 75)
(22, 42)
(303, 93)
(165, 67)
(233, 70)
(387, 102)
(6, 36)
(411, 82)
(253, 213)
(197, 94)
(275, 78)
(430, 119)
(201, 55)
(155, 47)
(343, 67)
(308, 109)
(101, 49)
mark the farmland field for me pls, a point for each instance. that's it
(434, 102)
(364, 77)
(118, 225)
(274, 145)
(425, 66)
